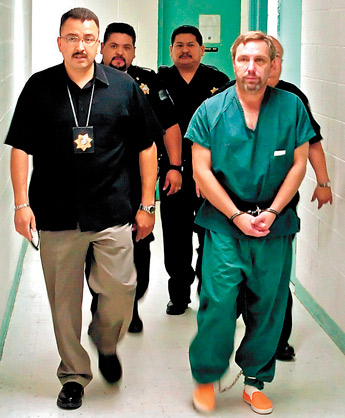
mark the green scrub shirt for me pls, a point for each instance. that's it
(252, 164)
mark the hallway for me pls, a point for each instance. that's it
(157, 380)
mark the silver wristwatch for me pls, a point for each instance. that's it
(149, 209)
(327, 184)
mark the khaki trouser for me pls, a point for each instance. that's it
(113, 277)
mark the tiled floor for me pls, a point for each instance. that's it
(157, 380)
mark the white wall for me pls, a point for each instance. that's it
(321, 243)
(15, 67)
(244, 16)
(141, 14)
(272, 18)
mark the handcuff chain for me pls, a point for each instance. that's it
(239, 374)
(255, 212)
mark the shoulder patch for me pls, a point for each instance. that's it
(211, 67)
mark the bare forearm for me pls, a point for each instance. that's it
(24, 218)
(207, 182)
(148, 173)
(214, 192)
(173, 144)
(19, 175)
(318, 161)
(218, 197)
(293, 179)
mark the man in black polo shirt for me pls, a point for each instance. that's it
(118, 50)
(81, 122)
(189, 83)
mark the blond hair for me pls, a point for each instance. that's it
(254, 36)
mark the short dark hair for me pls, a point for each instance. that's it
(79, 13)
(187, 29)
(119, 27)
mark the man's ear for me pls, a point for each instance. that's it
(59, 43)
(202, 50)
(102, 46)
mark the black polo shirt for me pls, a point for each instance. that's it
(187, 97)
(92, 190)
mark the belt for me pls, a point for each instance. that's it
(254, 208)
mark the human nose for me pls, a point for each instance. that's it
(82, 46)
(251, 65)
(118, 51)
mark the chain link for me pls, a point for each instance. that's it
(221, 390)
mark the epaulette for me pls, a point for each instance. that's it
(163, 68)
(147, 69)
(226, 86)
(211, 67)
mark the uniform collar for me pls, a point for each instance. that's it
(100, 74)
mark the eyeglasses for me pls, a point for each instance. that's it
(72, 39)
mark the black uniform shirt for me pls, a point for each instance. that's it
(161, 104)
(92, 190)
(187, 97)
(154, 91)
(284, 85)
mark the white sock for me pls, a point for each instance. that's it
(250, 390)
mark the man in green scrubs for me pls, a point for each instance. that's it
(249, 158)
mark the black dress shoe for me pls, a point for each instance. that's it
(70, 396)
(136, 325)
(285, 353)
(176, 308)
(110, 367)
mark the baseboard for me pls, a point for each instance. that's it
(320, 316)
(12, 297)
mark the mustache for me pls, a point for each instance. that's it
(185, 55)
(79, 54)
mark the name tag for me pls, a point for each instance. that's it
(279, 152)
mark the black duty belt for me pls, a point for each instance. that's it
(254, 208)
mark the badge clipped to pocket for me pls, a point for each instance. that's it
(83, 140)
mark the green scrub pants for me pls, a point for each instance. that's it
(263, 266)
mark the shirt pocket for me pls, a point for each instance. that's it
(280, 163)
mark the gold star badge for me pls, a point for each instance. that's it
(144, 88)
(214, 89)
(83, 142)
